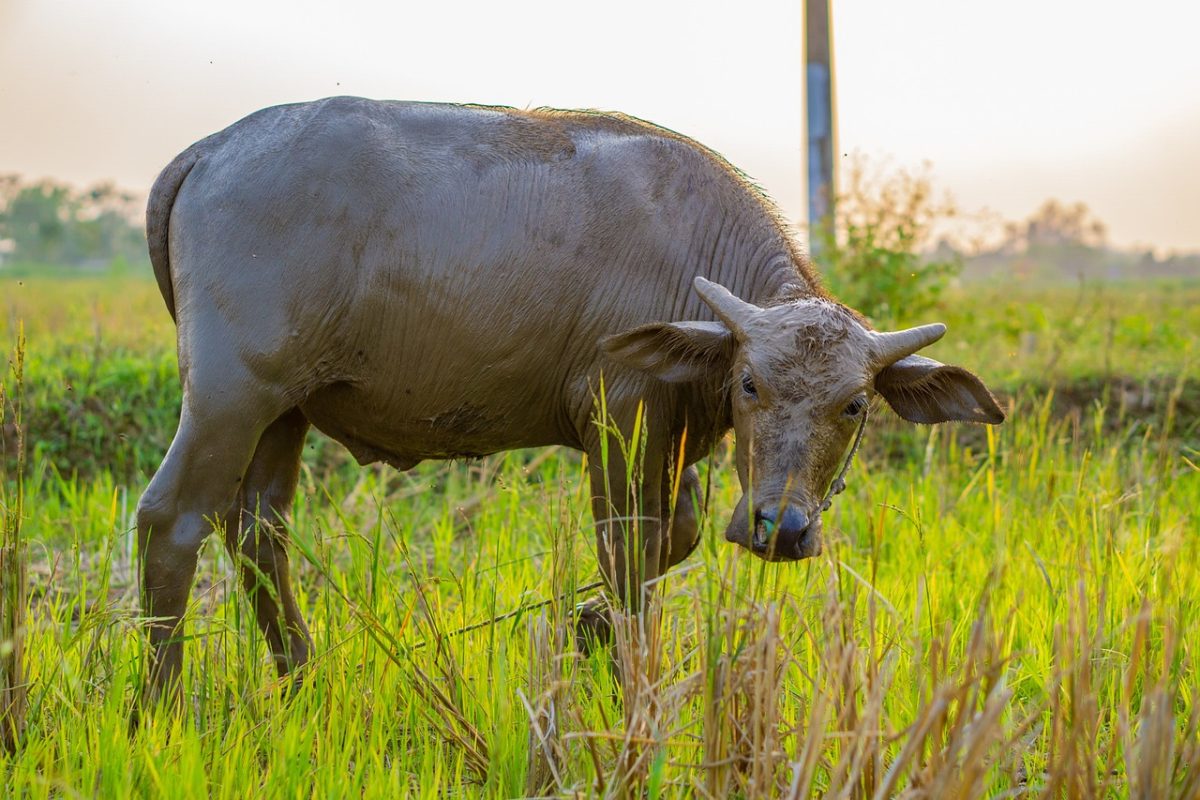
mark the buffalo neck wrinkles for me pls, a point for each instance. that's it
(750, 253)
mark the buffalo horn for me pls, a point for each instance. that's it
(891, 347)
(728, 308)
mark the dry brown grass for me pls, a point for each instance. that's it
(770, 727)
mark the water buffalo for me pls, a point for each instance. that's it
(437, 281)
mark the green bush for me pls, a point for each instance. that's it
(104, 409)
(875, 256)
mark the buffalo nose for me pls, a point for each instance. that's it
(784, 526)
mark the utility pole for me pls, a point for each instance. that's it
(819, 119)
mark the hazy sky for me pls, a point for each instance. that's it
(1011, 102)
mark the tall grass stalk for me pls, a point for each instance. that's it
(13, 688)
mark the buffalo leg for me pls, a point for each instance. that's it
(256, 540)
(628, 521)
(685, 529)
(593, 622)
(194, 488)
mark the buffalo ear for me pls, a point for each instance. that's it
(675, 352)
(927, 391)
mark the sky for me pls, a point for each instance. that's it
(1011, 103)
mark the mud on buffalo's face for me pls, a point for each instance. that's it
(800, 376)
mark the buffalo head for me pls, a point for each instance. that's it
(799, 377)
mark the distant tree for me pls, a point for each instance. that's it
(1061, 242)
(1056, 225)
(880, 255)
(52, 223)
(9, 184)
(104, 224)
(36, 219)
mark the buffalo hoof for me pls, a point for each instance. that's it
(593, 626)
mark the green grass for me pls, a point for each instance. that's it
(1004, 611)
(1055, 335)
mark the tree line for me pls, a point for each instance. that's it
(51, 223)
(884, 249)
(1063, 241)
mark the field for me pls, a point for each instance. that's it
(999, 612)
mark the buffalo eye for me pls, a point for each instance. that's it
(748, 385)
(856, 407)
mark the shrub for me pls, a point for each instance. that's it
(876, 256)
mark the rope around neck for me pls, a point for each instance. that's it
(839, 483)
